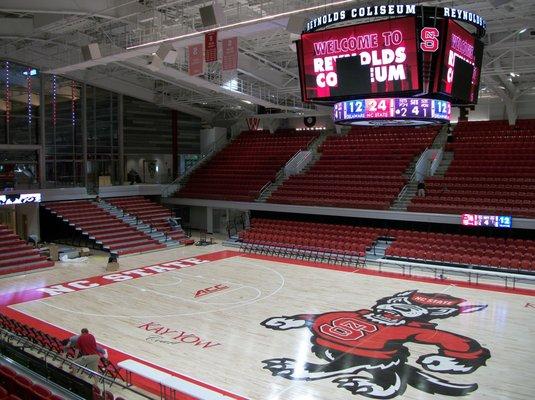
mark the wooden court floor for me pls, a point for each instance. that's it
(263, 328)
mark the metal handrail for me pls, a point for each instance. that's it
(66, 361)
(294, 156)
(303, 160)
(402, 192)
(264, 188)
(418, 163)
(203, 157)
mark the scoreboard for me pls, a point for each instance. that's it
(406, 109)
(369, 59)
(421, 52)
(496, 221)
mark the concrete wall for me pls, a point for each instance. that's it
(31, 211)
(197, 217)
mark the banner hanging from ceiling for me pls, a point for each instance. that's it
(195, 61)
(230, 54)
(210, 46)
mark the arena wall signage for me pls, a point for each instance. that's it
(403, 111)
(396, 10)
(14, 199)
(496, 221)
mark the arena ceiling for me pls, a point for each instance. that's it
(49, 34)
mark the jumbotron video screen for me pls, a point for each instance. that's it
(461, 65)
(430, 57)
(378, 58)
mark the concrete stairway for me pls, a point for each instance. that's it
(133, 221)
(441, 139)
(281, 177)
(378, 251)
(447, 158)
(405, 197)
(17, 256)
(113, 234)
(410, 169)
(264, 195)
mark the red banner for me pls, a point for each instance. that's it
(210, 46)
(195, 60)
(230, 54)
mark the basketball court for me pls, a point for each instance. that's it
(242, 326)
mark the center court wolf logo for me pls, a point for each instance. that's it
(364, 351)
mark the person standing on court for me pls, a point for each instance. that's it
(89, 356)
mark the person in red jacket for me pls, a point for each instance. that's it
(88, 353)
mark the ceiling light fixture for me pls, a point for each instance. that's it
(238, 24)
(521, 31)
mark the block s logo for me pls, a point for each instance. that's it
(429, 39)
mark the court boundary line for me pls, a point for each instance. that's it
(116, 355)
(226, 254)
(394, 275)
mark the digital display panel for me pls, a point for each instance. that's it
(496, 221)
(10, 199)
(392, 108)
(379, 58)
(461, 65)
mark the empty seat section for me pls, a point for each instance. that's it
(335, 238)
(114, 234)
(244, 167)
(493, 172)
(150, 213)
(515, 254)
(363, 169)
(17, 256)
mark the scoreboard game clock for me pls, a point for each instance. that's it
(408, 67)
(495, 221)
(389, 111)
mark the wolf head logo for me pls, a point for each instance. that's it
(365, 349)
(422, 307)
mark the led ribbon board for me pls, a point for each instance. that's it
(24, 198)
(397, 10)
(496, 221)
(398, 111)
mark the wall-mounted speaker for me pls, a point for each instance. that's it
(212, 15)
(155, 63)
(167, 53)
(91, 52)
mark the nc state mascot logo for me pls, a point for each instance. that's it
(365, 350)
